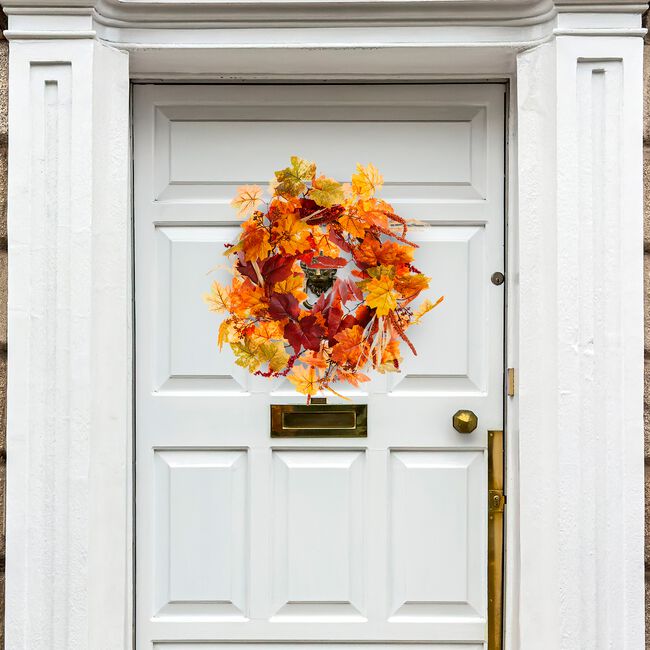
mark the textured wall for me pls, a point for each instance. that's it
(3, 310)
(646, 265)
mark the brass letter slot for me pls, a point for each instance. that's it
(319, 420)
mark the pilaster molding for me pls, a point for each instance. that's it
(69, 385)
(580, 292)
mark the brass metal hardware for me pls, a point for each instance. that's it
(318, 281)
(498, 278)
(510, 385)
(496, 505)
(318, 420)
(465, 421)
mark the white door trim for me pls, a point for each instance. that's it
(575, 484)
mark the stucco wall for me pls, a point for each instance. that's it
(3, 311)
(646, 255)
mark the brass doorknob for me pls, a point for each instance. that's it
(465, 421)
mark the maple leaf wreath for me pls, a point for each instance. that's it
(311, 227)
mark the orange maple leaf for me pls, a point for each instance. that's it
(350, 347)
(354, 225)
(351, 377)
(314, 359)
(374, 212)
(367, 180)
(247, 199)
(246, 298)
(381, 295)
(411, 284)
(254, 241)
(368, 251)
(322, 244)
(392, 254)
(390, 357)
(292, 234)
(307, 380)
(266, 331)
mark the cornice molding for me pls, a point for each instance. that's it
(110, 20)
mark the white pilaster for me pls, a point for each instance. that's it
(580, 292)
(69, 384)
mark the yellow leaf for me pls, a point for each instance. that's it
(305, 379)
(292, 180)
(366, 181)
(226, 332)
(245, 355)
(218, 298)
(274, 354)
(326, 192)
(294, 285)
(381, 295)
(247, 199)
(425, 308)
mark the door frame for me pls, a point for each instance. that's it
(574, 567)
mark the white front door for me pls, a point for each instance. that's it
(243, 540)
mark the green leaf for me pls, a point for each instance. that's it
(292, 180)
(326, 192)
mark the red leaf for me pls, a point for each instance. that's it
(348, 321)
(306, 333)
(276, 268)
(322, 303)
(246, 269)
(324, 262)
(346, 289)
(335, 237)
(283, 305)
(320, 215)
(335, 313)
(363, 315)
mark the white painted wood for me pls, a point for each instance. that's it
(201, 567)
(580, 463)
(437, 539)
(92, 593)
(69, 386)
(318, 535)
(347, 537)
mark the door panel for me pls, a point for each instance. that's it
(247, 540)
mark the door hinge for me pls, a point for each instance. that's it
(510, 382)
(496, 500)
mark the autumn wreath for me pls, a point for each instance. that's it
(288, 313)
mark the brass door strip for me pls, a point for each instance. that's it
(319, 420)
(496, 505)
